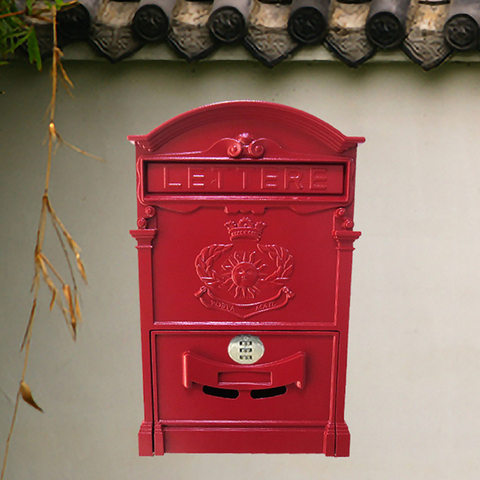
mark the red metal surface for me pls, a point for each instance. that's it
(245, 226)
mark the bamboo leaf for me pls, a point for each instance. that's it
(27, 396)
(33, 49)
(29, 6)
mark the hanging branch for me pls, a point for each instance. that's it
(64, 292)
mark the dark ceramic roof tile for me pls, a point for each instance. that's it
(308, 22)
(386, 22)
(461, 29)
(229, 19)
(427, 31)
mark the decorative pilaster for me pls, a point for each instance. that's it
(144, 239)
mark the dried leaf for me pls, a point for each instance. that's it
(41, 265)
(74, 328)
(71, 242)
(71, 310)
(79, 150)
(78, 313)
(54, 297)
(81, 267)
(27, 396)
(67, 82)
(68, 295)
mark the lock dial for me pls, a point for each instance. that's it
(246, 349)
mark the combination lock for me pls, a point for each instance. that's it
(246, 349)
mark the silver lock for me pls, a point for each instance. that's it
(246, 349)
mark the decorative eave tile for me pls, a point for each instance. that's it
(111, 32)
(425, 43)
(268, 39)
(347, 38)
(386, 23)
(428, 31)
(190, 35)
(461, 30)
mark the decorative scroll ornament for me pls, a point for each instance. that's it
(245, 146)
(244, 278)
(142, 222)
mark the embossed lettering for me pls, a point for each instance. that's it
(220, 178)
(318, 178)
(269, 178)
(196, 177)
(167, 183)
(293, 176)
(222, 306)
(265, 306)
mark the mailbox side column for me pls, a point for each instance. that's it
(144, 238)
(344, 237)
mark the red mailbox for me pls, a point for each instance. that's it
(245, 239)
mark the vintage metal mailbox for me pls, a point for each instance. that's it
(245, 239)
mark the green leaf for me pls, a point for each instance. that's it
(33, 49)
(28, 6)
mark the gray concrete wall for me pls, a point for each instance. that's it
(413, 386)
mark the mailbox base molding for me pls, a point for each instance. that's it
(331, 440)
(145, 439)
(247, 440)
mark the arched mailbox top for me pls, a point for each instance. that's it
(250, 129)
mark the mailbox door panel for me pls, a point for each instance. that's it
(201, 267)
(196, 380)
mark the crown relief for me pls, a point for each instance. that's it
(245, 229)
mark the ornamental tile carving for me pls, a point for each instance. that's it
(190, 35)
(425, 43)
(268, 39)
(111, 33)
(347, 37)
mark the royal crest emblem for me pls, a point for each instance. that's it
(244, 278)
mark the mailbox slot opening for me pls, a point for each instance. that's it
(268, 392)
(220, 392)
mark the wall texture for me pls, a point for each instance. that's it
(413, 386)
